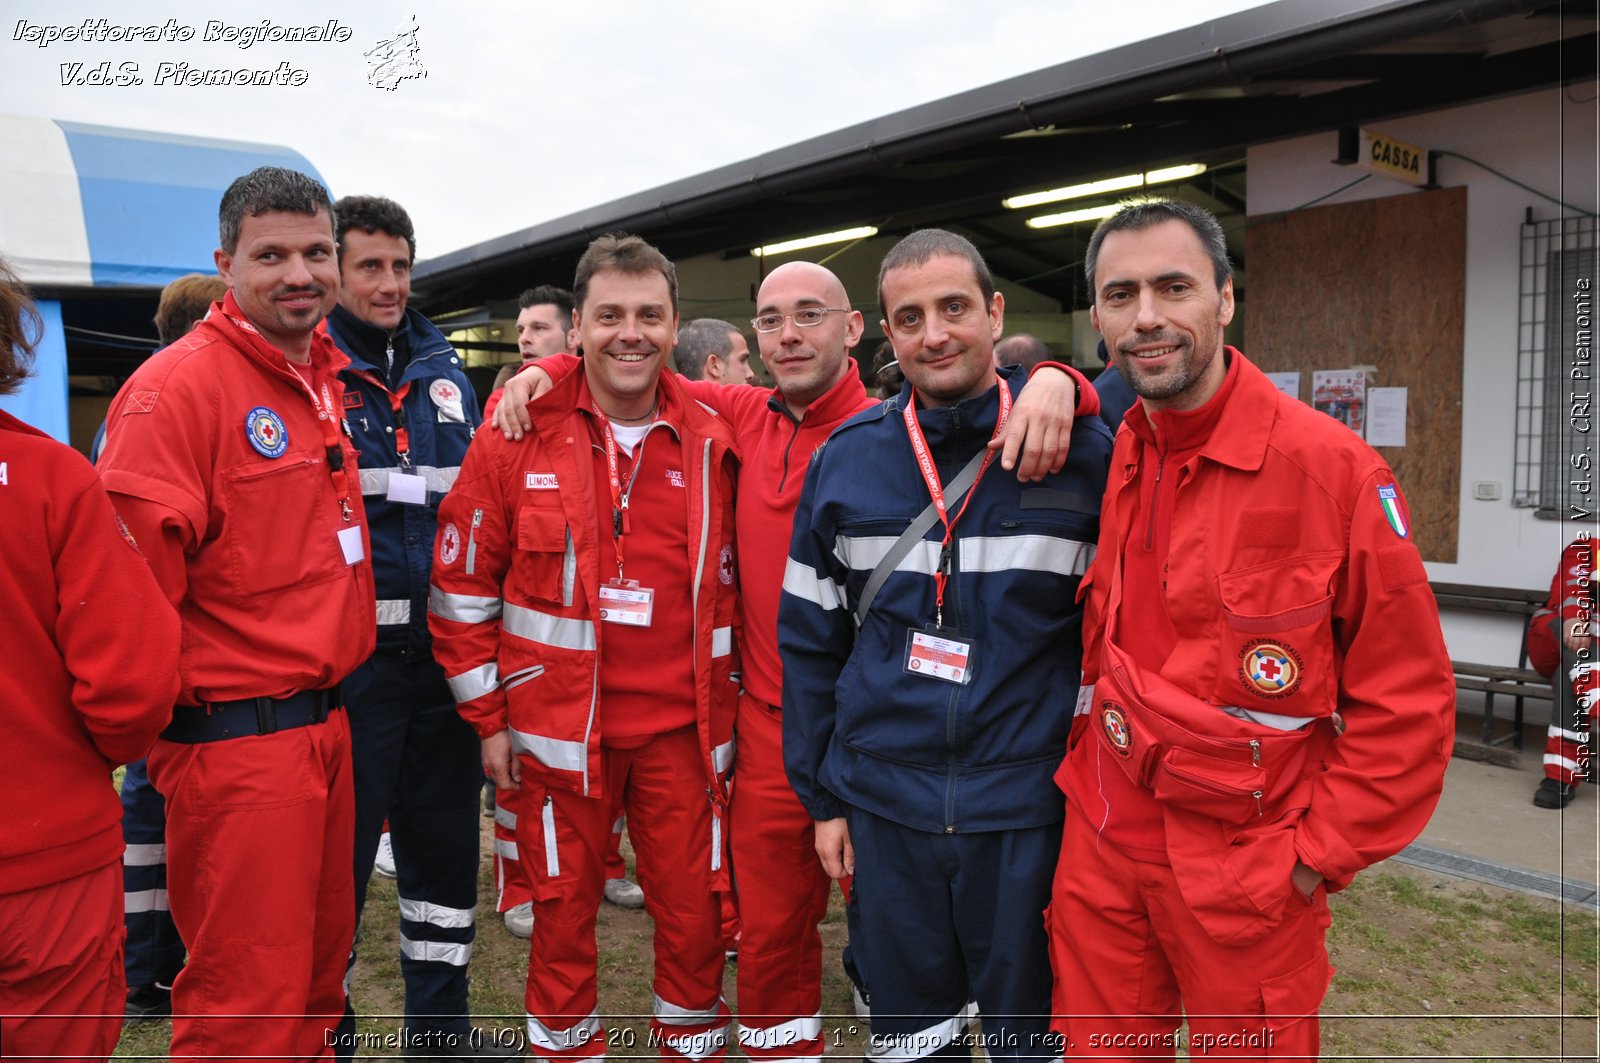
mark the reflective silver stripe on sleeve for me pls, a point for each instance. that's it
(394, 611)
(586, 1032)
(551, 752)
(565, 633)
(145, 901)
(463, 608)
(439, 480)
(722, 756)
(474, 683)
(803, 582)
(504, 817)
(436, 914)
(455, 955)
(505, 849)
(144, 855)
(721, 641)
(1032, 553)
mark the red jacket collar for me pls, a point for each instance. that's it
(846, 396)
(231, 323)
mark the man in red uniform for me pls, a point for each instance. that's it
(583, 608)
(225, 455)
(1274, 705)
(94, 647)
(1561, 645)
(806, 328)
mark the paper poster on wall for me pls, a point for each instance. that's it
(1342, 395)
(1386, 417)
(1288, 383)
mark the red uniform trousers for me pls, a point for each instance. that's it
(562, 838)
(61, 982)
(783, 895)
(1124, 957)
(259, 836)
(511, 882)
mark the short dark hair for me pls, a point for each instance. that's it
(184, 302)
(622, 253)
(1022, 349)
(269, 188)
(373, 214)
(1143, 213)
(548, 295)
(925, 244)
(21, 329)
(699, 340)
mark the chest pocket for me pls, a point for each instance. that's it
(1276, 642)
(545, 563)
(280, 528)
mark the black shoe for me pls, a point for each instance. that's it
(476, 1044)
(147, 1003)
(1553, 793)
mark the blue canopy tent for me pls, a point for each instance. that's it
(86, 209)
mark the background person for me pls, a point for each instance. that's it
(92, 684)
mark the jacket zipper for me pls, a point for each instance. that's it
(472, 542)
(1155, 500)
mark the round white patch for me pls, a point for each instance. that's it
(450, 544)
(725, 565)
(447, 397)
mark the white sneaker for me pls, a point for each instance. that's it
(624, 894)
(384, 864)
(519, 920)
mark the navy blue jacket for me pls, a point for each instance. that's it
(440, 414)
(859, 730)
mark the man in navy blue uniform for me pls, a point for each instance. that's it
(931, 668)
(412, 413)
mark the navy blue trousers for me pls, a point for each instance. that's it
(154, 951)
(418, 765)
(950, 918)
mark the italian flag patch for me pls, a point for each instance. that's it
(1394, 509)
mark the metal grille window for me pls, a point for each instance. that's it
(1555, 373)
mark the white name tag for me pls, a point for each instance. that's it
(627, 603)
(541, 481)
(938, 657)
(409, 488)
(350, 544)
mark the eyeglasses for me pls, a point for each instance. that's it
(805, 317)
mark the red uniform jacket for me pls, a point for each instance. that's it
(1572, 597)
(515, 605)
(93, 648)
(1290, 532)
(219, 462)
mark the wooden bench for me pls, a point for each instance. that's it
(1519, 683)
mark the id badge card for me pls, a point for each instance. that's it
(408, 488)
(350, 544)
(623, 601)
(938, 654)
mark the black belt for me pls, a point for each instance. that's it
(220, 720)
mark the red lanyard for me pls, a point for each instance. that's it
(619, 497)
(402, 437)
(930, 476)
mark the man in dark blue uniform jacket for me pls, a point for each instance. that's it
(921, 728)
(411, 412)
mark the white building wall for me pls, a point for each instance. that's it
(1546, 140)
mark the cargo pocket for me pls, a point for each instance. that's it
(540, 559)
(1290, 1003)
(290, 492)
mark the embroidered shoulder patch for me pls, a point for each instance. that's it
(1394, 509)
(141, 402)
